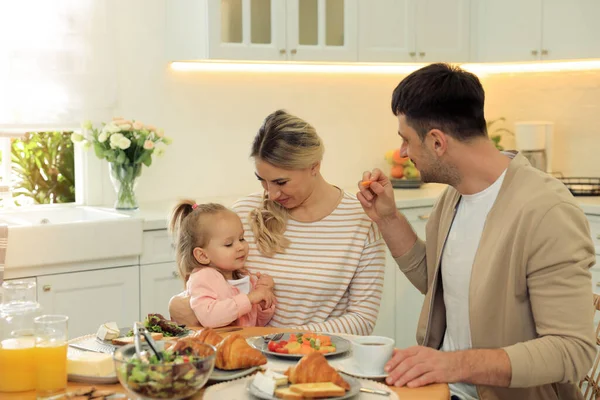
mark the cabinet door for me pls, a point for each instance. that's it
(158, 283)
(386, 320)
(570, 29)
(322, 30)
(92, 298)
(507, 30)
(247, 29)
(409, 300)
(442, 30)
(386, 32)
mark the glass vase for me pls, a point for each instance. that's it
(124, 179)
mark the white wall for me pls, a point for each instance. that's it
(213, 117)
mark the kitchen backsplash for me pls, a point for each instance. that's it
(213, 117)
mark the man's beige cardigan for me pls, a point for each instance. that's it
(530, 290)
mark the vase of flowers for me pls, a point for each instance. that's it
(127, 145)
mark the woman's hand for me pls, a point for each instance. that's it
(377, 197)
(262, 295)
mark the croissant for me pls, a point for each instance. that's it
(314, 368)
(235, 353)
(208, 336)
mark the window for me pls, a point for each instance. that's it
(57, 69)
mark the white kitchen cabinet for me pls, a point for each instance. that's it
(414, 30)
(508, 30)
(270, 30)
(158, 283)
(401, 302)
(91, 298)
(513, 30)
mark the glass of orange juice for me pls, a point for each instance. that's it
(51, 355)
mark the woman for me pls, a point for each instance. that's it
(325, 255)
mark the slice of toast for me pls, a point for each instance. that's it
(318, 390)
(287, 394)
(121, 341)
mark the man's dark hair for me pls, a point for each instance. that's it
(442, 96)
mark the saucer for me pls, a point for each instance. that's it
(350, 367)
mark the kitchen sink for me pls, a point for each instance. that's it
(48, 235)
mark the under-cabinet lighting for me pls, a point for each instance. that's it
(228, 66)
(532, 67)
(358, 68)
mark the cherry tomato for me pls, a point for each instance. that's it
(272, 346)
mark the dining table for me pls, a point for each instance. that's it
(429, 392)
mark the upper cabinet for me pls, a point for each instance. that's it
(414, 30)
(515, 30)
(270, 30)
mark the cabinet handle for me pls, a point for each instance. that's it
(281, 51)
(412, 53)
(598, 236)
(47, 288)
(597, 284)
(293, 51)
(422, 54)
(175, 274)
(534, 52)
(544, 52)
(424, 217)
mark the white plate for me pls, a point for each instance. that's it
(353, 391)
(342, 346)
(221, 375)
(350, 367)
(236, 390)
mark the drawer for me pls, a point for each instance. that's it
(157, 247)
(416, 214)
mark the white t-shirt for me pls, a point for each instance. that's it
(243, 284)
(457, 263)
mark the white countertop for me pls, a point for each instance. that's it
(156, 214)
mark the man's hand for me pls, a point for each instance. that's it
(419, 366)
(265, 280)
(377, 198)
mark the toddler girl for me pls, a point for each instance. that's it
(211, 253)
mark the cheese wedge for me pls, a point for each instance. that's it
(108, 331)
(279, 379)
(264, 383)
(90, 364)
(318, 390)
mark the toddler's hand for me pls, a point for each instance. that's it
(262, 295)
(265, 280)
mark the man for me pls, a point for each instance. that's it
(508, 308)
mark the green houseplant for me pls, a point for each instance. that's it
(127, 145)
(43, 167)
(496, 134)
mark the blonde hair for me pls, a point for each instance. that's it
(288, 142)
(189, 230)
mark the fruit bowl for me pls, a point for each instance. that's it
(406, 183)
(176, 377)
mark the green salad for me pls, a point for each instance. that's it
(177, 376)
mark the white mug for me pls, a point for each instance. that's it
(371, 353)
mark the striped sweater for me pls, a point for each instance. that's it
(331, 277)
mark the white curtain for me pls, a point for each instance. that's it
(57, 63)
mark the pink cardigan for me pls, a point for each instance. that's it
(217, 303)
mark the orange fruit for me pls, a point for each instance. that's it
(397, 171)
(397, 158)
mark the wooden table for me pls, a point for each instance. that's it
(431, 392)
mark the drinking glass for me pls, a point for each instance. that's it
(51, 355)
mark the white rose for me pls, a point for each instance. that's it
(115, 140)
(76, 137)
(125, 127)
(103, 136)
(86, 145)
(124, 143)
(113, 128)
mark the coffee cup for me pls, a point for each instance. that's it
(371, 353)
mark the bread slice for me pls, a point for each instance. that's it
(318, 390)
(121, 341)
(287, 394)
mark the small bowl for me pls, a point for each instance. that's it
(163, 380)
